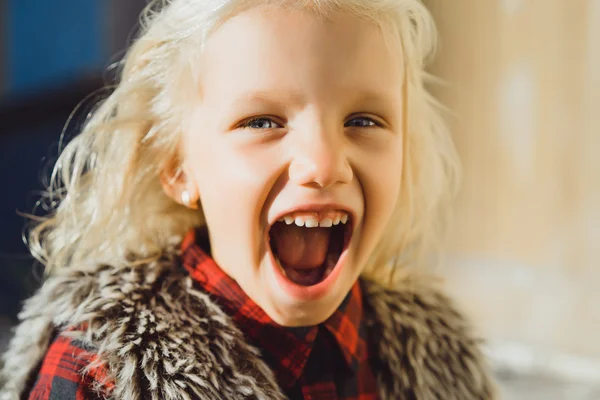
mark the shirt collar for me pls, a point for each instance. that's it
(285, 349)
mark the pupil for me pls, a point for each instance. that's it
(260, 123)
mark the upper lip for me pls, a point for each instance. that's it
(315, 207)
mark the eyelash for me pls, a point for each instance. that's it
(246, 125)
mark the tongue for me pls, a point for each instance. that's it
(301, 248)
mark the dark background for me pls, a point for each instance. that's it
(52, 54)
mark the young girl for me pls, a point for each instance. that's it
(239, 219)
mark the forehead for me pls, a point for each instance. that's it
(268, 48)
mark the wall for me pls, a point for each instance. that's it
(52, 55)
(3, 40)
(524, 80)
(51, 42)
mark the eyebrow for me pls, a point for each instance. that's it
(250, 101)
(386, 103)
(266, 97)
(383, 99)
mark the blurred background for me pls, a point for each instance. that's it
(524, 252)
(523, 81)
(52, 55)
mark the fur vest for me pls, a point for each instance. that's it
(160, 337)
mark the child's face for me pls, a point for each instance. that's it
(328, 143)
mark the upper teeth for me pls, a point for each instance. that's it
(313, 220)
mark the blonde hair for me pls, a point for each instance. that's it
(108, 205)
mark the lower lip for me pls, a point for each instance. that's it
(308, 293)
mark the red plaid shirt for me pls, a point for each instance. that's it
(328, 362)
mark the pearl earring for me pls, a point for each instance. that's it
(185, 198)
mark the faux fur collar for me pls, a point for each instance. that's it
(161, 338)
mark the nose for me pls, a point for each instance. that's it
(319, 159)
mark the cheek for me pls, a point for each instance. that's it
(235, 177)
(381, 178)
(233, 181)
(388, 181)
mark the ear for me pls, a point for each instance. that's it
(178, 183)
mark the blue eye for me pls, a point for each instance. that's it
(366, 122)
(260, 123)
(268, 123)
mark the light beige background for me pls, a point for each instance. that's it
(524, 81)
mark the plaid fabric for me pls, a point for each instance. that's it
(325, 362)
(60, 376)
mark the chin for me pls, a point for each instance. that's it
(302, 314)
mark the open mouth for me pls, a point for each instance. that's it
(307, 248)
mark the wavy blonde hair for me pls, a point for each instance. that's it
(108, 205)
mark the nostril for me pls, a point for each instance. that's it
(321, 169)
